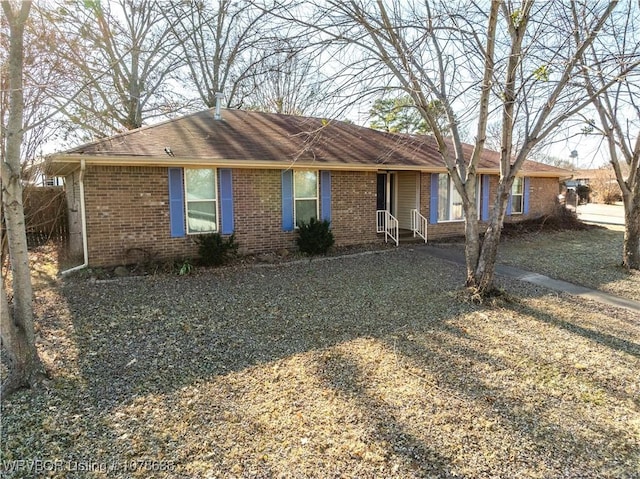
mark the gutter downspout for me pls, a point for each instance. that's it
(83, 221)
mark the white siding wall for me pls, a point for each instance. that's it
(407, 197)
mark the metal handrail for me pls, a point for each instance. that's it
(387, 224)
(418, 225)
(381, 221)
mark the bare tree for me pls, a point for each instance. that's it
(16, 318)
(43, 72)
(618, 113)
(604, 185)
(511, 63)
(125, 52)
(289, 82)
(222, 43)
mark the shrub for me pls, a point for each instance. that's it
(315, 237)
(185, 268)
(214, 250)
(611, 197)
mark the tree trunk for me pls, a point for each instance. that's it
(484, 272)
(19, 344)
(17, 334)
(18, 337)
(631, 245)
(481, 272)
(472, 242)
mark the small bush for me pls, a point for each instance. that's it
(185, 268)
(611, 197)
(315, 237)
(214, 250)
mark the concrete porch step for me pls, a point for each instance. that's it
(405, 237)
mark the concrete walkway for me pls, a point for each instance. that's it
(455, 256)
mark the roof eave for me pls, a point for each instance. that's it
(63, 164)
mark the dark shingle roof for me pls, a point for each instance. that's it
(254, 137)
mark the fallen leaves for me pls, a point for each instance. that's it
(354, 367)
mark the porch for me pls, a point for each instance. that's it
(398, 207)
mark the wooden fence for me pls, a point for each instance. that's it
(45, 210)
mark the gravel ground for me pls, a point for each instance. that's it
(368, 366)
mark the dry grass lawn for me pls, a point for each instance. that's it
(362, 367)
(591, 258)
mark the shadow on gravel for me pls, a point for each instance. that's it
(521, 423)
(345, 376)
(156, 335)
(189, 369)
(604, 338)
(600, 337)
(590, 258)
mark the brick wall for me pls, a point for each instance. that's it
(542, 200)
(257, 211)
(128, 212)
(353, 207)
(543, 195)
(128, 216)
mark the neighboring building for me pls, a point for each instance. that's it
(33, 175)
(259, 175)
(602, 183)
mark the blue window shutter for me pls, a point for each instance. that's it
(287, 200)
(525, 195)
(176, 202)
(509, 202)
(433, 200)
(325, 195)
(484, 215)
(226, 201)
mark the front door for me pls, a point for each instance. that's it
(407, 197)
(385, 198)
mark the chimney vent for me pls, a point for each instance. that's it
(218, 113)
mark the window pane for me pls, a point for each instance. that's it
(200, 184)
(305, 210)
(457, 213)
(516, 204)
(305, 184)
(443, 197)
(201, 216)
(516, 195)
(516, 188)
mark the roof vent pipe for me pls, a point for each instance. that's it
(219, 97)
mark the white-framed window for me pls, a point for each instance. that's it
(201, 200)
(449, 200)
(305, 196)
(53, 181)
(517, 196)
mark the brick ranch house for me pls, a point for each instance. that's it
(259, 175)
